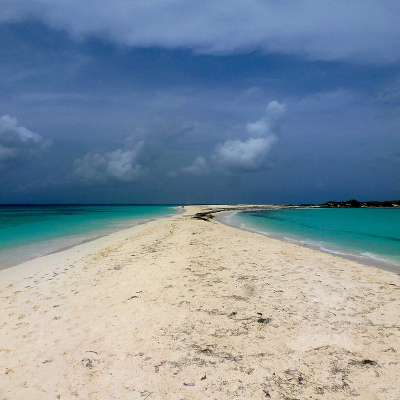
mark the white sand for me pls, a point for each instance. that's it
(187, 309)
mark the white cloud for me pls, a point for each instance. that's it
(120, 164)
(334, 30)
(258, 128)
(17, 142)
(244, 155)
(272, 119)
(91, 168)
(275, 112)
(198, 168)
(251, 153)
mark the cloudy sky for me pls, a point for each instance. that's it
(227, 101)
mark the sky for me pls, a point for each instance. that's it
(228, 101)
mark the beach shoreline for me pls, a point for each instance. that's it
(385, 264)
(186, 307)
(19, 253)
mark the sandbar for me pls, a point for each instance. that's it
(188, 308)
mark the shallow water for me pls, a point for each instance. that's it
(27, 232)
(370, 235)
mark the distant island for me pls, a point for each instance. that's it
(208, 213)
(360, 204)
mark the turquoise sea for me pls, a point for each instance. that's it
(370, 235)
(31, 231)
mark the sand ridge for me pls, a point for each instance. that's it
(186, 308)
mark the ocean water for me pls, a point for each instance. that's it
(370, 235)
(27, 232)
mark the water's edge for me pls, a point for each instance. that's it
(60, 244)
(225, 217)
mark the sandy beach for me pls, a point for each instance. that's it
(188, 308)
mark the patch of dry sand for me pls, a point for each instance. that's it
(182, 308)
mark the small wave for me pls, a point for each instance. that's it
(365, 257)
(337, 252)
(379, 258)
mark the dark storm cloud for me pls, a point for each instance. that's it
(358, 30)
(156, 101)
